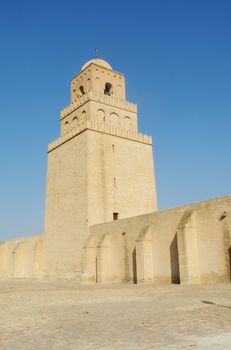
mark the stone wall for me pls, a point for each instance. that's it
(92, 176)
(188, 244)
(22, 258)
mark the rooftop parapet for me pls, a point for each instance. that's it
(98, 97)
(100, 127)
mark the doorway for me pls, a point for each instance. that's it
(134, 266)
(174, 261)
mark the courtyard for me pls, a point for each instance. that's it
(65, 315)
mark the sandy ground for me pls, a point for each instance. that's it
(67, 316)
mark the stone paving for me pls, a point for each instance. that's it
(65, 315)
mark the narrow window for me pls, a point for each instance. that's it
(81, 88)
(115, 216)
(113, 147)
(114, 182)
(66, 126)
(108, 89)
(75, 121)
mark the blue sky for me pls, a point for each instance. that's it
(176, 57)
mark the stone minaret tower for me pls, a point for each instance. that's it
(100, 168)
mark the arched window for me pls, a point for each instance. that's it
(100, 116)
(114, 120)
(81, 88)
(127, 123)
(66, 126)
(108, 89)
(83, 116)
(75, 122)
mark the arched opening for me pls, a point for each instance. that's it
(75, 122)
(134, 266)
(127, 123)
(108, 89)
(174, 260)
(103, 262)
(66, 126)
(114, 120)
(83, 116)
(81, 88)
(100, 116)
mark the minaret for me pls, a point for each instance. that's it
(100, 169)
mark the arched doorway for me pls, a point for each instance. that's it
(174, 261)
(134, 266)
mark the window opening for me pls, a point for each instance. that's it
(115, 216)
(108, 89)
(81, 88)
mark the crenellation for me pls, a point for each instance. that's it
(99, 97)
(102, 127)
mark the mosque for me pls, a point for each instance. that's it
(102, 223)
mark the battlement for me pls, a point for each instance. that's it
(100, 127)
(98, 97)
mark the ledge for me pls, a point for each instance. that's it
(99, 127)
(95, 96)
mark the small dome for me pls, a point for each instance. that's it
(98, 61)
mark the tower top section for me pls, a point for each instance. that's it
(98, 99)
(97, 76)
(99, 62)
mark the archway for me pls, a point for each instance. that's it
(134, 266)
(108, 89)
(174, 261)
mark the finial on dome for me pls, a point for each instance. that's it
(96, 53)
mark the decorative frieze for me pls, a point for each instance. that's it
(98, 97)
(100, 127)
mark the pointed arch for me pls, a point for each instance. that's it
(127, 123)
(114, 120)
(101, 116)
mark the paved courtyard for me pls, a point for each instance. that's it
(67, 316)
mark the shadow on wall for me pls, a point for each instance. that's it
(174, 260)
(134, 266)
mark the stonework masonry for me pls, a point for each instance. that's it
(102, 222)
(100, 168)
(180, 245)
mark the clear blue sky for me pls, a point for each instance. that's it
(176, 55)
